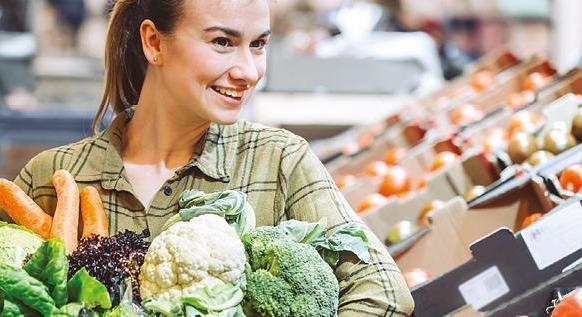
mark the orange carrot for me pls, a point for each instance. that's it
(23, 210)
(93, 214)
(66, 217)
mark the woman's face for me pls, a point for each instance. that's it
(215, 56)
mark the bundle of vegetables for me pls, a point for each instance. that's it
(198, 266)
(41, 287)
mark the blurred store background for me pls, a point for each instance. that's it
(333, 64)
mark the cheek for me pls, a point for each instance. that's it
(261, 65)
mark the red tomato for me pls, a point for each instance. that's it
(428, 210)
(396, 182)
(494, 140)
(570, 306)
(482, 80)
(535, 81)
(443, 159)
(345, 181)
(372, 201)
(530, 220)
(571, 178)
(465, 114)
(523, 121)
(415, 277)
(350, 148)
(376, 168)
(394, 155)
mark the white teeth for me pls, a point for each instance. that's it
(230, 92)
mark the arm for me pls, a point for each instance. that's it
(374, 289)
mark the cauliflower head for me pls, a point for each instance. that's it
(205, 251)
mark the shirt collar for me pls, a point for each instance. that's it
(214, 160)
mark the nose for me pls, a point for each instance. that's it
(245, 69)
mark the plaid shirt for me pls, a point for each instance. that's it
(281, 176)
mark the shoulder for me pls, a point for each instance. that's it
(264, 136)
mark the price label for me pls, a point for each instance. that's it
(555, 236)
(484, 288)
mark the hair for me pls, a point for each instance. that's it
(125, 62)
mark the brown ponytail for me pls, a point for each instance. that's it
(125, 62)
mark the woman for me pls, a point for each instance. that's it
(177, 74)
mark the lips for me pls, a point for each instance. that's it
(233, 93)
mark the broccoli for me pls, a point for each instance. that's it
(287, 278)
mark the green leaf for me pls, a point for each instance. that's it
(236, 311)
(350, 237)
(11, 309)
(16, 242)
(18, 284)
(330, 257)
(86, 289)
(49, 264)
(305, 232)
(229, 204)
(214, 299)
(163, 307)
(69, 310)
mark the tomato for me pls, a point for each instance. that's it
(394, 155)
(535, 81)
(350, 148)
(570, 306)
(524, 121)
(372, 201)
(345, 181)
(443, 159)
(396, 182)
(415, 276)
(465, 114)
(376, 168)
(366, 140)
(531, 219)
(423, 182)
(520, 99)
(494, 140)
(571, 178)
(428, 210)
(482, 80)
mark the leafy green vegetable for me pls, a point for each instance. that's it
(11, 309)
(17, 308)
(16, 283)
(230, 204)
(215, 299)
(163, 307)
(49, 265)
(231, 312)
(69, 310)
(86, 289)
(348, 237)
(16, 242)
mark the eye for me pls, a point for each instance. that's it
(222, 41)
(259, 44)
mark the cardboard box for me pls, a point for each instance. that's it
(504, 265)
(455, 227)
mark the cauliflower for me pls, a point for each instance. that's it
(203, 252)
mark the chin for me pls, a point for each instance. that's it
(227, 118)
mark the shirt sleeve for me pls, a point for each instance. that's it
(374, 289)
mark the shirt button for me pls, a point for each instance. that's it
(167, 191)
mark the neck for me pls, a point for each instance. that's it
(159, 134)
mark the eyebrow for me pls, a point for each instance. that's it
(232, 32)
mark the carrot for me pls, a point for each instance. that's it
(94, 218)
(23, 210)
(66, 217)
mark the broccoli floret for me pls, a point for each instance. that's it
(289, 278)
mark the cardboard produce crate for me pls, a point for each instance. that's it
(504, 265)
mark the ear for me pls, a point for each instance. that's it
(151, 41)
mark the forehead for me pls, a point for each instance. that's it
(243, 15)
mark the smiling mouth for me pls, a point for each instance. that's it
(228, 92)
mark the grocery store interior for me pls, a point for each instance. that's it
(452, 127)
